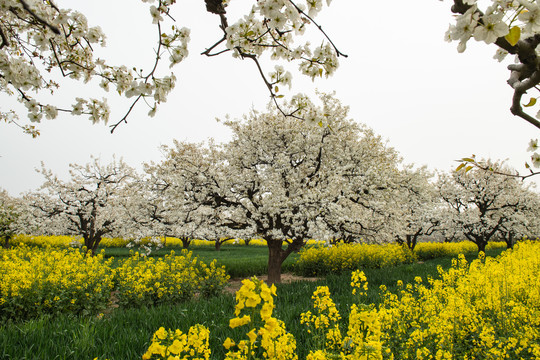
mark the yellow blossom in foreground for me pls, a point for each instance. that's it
(236, 322)
(488, 309)
(177, 345)
(267, 338)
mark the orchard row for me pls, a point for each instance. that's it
(284, 181)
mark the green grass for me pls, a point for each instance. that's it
(239, 260)
(126, 333)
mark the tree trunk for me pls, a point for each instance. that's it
(91, 243)
(275, 259)
(509, 241)
(185, 242)
(411, 242)
(217, 245)
(277, 255)
(481, 246)
(7, 238)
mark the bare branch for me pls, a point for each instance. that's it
(493, 170)
(207, 51)
(339, 53)
(124, 119)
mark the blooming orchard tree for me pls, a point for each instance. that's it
(365, 170)
(42, 43)
(524, 222)
(418, 205)
(275, 168)
(281, 174)
(195, 175)
(87, 205)
(179, 200)
(481, 202)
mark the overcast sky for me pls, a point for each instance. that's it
(401, 78)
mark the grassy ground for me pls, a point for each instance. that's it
(239, 260)
(126, 333)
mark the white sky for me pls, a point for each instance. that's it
(432, 104)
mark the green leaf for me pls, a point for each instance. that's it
(461, 166)
(280, 96)
(276, 89)
(468, 159)
(468, 168)
(513, 36)
(532, 101)
(527, 166)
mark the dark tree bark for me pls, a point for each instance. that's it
(91, 242)
(509, 238)
(185, 242)
(219, 242)
(7, 238)
(479, 240)
(275, 260)
(277, 255)
(481, 246)
(410, 240)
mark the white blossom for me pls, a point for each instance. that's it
(491, 29)
(533, 145)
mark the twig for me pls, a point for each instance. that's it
(339, 53)
(207, 51)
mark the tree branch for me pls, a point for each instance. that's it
(5, 41)
(339, 53)
(25, 6)
(523, 76)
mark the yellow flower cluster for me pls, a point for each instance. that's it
(363, 339)
(38, 280)
(64, 241)
(267, 336)
(77, 241)
(324, 323)
(47, 240)
(434, 250)
(489, 309)
(51, 280)
(321, 260)
(486, 310)
(147, 280)
(324, 260)
(359, 283)
(175, 345)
